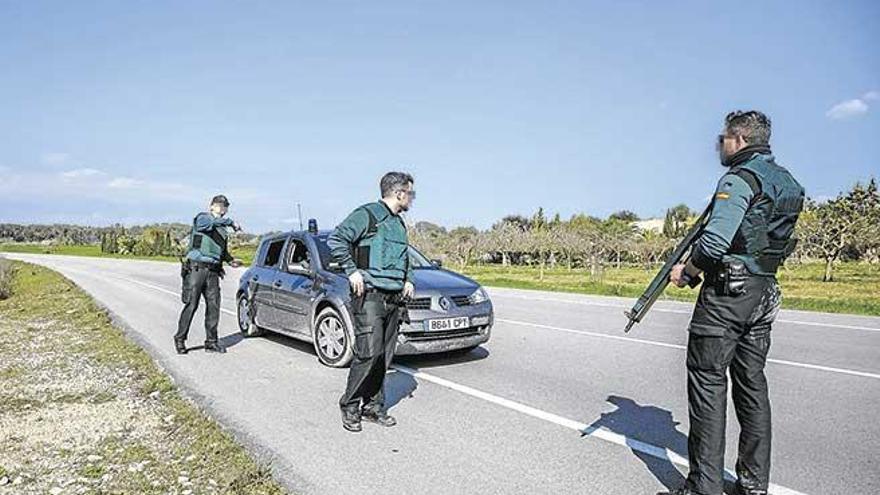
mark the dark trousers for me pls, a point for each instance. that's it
(377, 322)
(200, 282)
(730, 333)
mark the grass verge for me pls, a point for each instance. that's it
(855, 290)
(244, 253)
(83, 409)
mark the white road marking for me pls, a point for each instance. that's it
(678, 311)
(796, 364)
(583, 428)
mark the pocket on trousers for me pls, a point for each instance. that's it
(709, 353)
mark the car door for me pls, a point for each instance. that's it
(262, 280)
(294, 287)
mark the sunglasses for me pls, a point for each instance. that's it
(410, 193)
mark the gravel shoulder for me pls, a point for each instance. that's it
(83, 409)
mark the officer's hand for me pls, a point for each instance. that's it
(676, 276)
(409, 290)
(236, 226)
(235, 263)
(357, 283)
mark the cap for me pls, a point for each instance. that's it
(220, 199)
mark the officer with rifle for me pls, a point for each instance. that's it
(737, 245)
(201, 271)
(371, 246)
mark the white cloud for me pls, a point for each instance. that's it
(852, 108)
(124, 183)
(81, 173)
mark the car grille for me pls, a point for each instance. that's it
(461, 300)
(447, 334)
(420, 303)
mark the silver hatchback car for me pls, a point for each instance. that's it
(294, 288)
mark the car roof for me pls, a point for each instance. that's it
(282, 235)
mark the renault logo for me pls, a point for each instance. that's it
(444, 303)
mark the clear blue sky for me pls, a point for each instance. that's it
(140, 111)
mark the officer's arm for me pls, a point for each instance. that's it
(346, 236)
(732, 199)
(206, 222)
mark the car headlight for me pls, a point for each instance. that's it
(479, 296)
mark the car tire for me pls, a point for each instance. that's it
(333, 340)
(246, 324)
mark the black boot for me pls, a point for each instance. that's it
(214, 347)
(351, 419)
(381, 418)
(180, 346)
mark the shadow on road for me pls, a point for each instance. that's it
(653, 425)
(443, 359)
(398, 386)
(648, 424)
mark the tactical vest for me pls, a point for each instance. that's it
(766, 236)
(211, 245)
(383, 251)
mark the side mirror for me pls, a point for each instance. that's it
(438, 263)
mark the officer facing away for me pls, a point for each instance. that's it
(202, 270)
(749, 234)
(371, 245)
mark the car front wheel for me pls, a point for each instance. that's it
(246, 324)
(333, 342)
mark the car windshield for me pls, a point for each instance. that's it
(416, 259)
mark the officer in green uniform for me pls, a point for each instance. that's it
(371, 245)
(749, 234)
(202, 270)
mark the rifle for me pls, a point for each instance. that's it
(681, 254)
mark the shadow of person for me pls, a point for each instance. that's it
(230, 340)
(397, 386)
(648, 424)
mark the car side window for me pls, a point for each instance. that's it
(299, 254)
(273, 253)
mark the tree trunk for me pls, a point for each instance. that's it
(829, 265)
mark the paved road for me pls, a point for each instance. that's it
(559, 401)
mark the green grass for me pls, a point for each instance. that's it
(244, 253)
(855, 290)
(50, 311)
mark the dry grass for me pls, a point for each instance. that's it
(85, 410)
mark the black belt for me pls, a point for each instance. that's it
(216, 267)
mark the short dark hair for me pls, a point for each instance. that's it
(394, 181)
(752, 125)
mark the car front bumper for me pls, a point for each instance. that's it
(413, 339)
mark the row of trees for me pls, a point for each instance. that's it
(843, 228)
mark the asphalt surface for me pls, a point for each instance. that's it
(558, 401)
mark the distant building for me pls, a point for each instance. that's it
(650, 224)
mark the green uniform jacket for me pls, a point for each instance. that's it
(373, 240)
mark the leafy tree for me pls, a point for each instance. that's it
(851, 219)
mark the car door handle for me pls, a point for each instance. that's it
(255, 278)
(277, 283)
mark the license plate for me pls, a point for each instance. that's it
(448, 324)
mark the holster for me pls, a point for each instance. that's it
(731, 278)
(185, 270)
